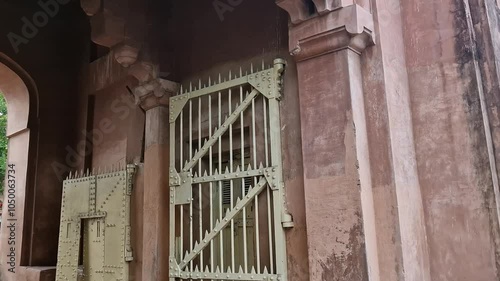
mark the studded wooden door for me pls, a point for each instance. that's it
(226, 206)
(94, 236)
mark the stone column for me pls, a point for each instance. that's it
(339, 206)
(153, 97)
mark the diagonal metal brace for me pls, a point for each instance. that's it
(176, 106)
(219, 226)
(220, 131)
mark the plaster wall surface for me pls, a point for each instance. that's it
(452, 157)
(378, 76)
(118, 126)
(484, 27)
(333, 214)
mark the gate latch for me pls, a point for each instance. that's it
(287, 220)
(182, 184)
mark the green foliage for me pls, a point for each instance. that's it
(3, 141)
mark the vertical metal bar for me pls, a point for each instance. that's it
(242, 143)
(256, 201)
(181, 141)
(221, 246)
(181, 165)
(191, 171)
(210, 168)
(269, 220)
(278, 193)
(274, 125)
(200, 206)
(266, 145)
(172, 194)
(231, 181)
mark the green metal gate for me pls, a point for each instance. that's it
(227, 213)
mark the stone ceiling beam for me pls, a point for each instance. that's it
(91, 7)
(350, 27)
(297, 9)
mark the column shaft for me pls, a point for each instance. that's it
(155, 247)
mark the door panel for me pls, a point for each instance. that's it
(101, 205)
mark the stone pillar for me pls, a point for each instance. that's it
(153, 97)
(339, 206)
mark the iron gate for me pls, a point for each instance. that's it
(227, 213)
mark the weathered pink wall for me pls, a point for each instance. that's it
(451, 151)
(118, 127)
(332, 193)
(400, 236)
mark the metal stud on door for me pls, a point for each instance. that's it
(226, 207)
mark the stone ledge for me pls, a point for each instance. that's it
(37, 273)
(349, 27)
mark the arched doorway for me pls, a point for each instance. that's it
(20, 93)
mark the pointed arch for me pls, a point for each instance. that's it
(21, 95)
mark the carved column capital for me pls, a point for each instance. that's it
(349, 27)
(127, 53)
(155, 93)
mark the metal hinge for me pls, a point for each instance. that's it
(128, 246)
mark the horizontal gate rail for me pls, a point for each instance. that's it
(228, 275)
(229, 176)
